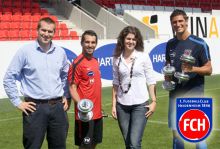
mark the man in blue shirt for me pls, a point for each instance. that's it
(42, 68)
(185, 43)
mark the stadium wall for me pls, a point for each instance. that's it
(103, 53)
(112, 23)
(79, 18)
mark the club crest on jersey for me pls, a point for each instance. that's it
(194, 118)
(187, 52)
(90, 73)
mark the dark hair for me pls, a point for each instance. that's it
(178, 12)
(47, 20)
(89, 32)
(120, 42)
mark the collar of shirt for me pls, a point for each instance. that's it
(52, 47)
(133, 56)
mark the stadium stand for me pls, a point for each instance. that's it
(18, 20)
(204, 5)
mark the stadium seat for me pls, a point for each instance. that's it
(73, 35)
(180, 3)
(64, 35)
(56, 35)
(14, 35)
(3, 35)
(4, 25)
(34, 26)
(17, 4)
(36, 5)
(36, 18)
(62, 26)
(26, 18)
(6, 18)
(27, 4)
(25, 35)
(33, 34)
(7, 3)
(15, 26)
(16, 18)
(44, 12)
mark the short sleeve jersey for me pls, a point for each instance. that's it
(199, 50)
(86, 75)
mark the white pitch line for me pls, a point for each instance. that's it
(149, 121)
(9, 119)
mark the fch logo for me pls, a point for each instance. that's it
(194, 118)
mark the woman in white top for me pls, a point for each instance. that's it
(133, 85)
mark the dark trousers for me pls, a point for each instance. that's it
(49, 119)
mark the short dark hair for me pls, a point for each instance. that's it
(47, 20)
(89, 32)
(178, 12)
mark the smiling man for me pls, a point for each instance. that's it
(42, 68)
(85, 83)
(186, 43)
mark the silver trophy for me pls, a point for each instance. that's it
(168, 71)
(186, 58)
(85, 107)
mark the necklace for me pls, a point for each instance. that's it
(131, 75)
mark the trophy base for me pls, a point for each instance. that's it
(168, 85)
(85, 117)
(181, 76)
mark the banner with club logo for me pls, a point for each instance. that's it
(194, 118)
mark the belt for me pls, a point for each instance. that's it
(43, 101)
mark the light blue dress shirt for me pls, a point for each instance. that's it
(42, 75)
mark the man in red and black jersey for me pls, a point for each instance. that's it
(85, 83)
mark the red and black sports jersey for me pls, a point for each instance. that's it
(86, 75)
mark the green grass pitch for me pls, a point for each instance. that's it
(156, 135)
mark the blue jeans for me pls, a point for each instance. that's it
(132, 121)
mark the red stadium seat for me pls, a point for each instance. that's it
(16, 18)
(34, 26)
(26, 18)
(7, 3)
(73, 35)
(17, 4)
(56, 35)
(27, 4)
(63, 26)
(4, 25)
(25, 26)
(3, 35)
(6, 18)
(25, 35)
(33, 35)
(36, 18)
(64, 35)
(15, 25)
(13, 35)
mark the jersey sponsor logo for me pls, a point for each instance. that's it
(157, 56)
(105, 59)
(90, 73)
(194, 118)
